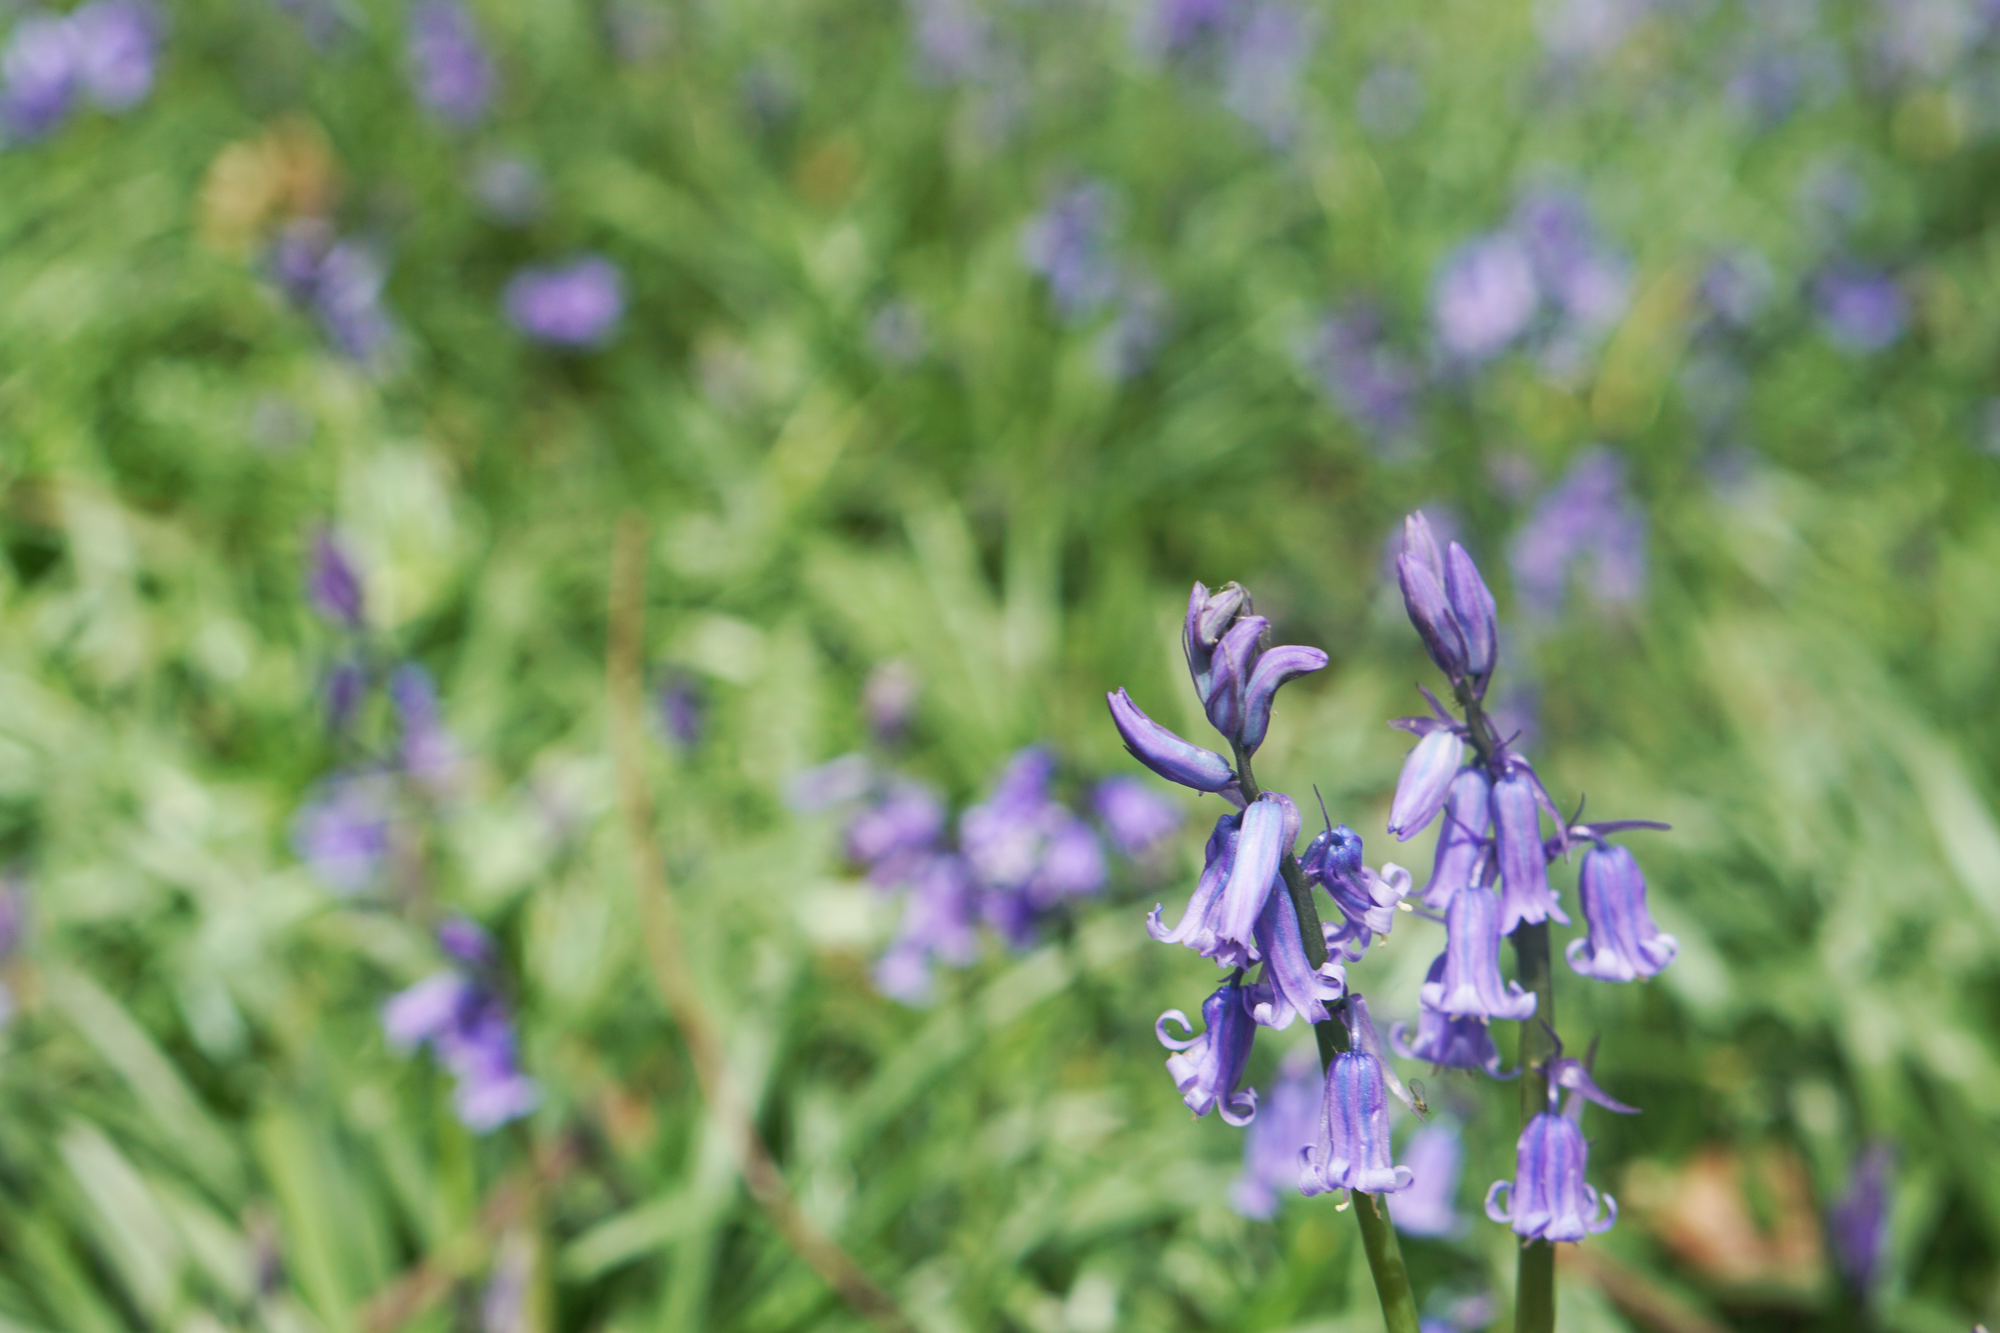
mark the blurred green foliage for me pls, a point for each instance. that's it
(201, 1127)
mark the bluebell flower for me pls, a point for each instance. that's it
(1165, 753)
(1435, 1157)
(1261, 67)
(1861, 309)
(1268, 829)
(1273, 668)
(1427, 778)
(1518, 800)
(1196, 928)
(1209, 616)
(116, 45)
(1368, 381)
(466, 941)
(1858, 1224)
(1485, 297)
(339, 281)
(1027, 850)
(1472, 607)
(1291, 985)
(1548, 1198)
(332, 582)
(905, 821)
(1286, 1124)
(1462, 841)
(1353, 1150)
(1448, 1043)
(1138, 819)
(38, 75)
(455, 78)
(1207, 1068)
(573, 305)
(1069, 244)
(1180, 24)
(940, 924)
(465, 1021)
(1367, 901)
(1624, 944)
(1470, 986)
(1589, 518)
(342, 831)
(1587, 283)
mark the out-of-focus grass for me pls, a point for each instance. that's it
(200, 1124)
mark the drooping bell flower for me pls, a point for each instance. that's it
(1425, 782)
(464, 1019)
(1353, 1148)
(1168, 755)
(1291, 985)
(1206, 1068)
(1462, 840)
(1448, 1043)
(1269, 827)
(1367, 901)
(1524, 864)
(1624, 944)
(1470, 985)
(343, 830)
(454, 75)
(1435, 1158)
(1548, 1198)
(1286, 1123)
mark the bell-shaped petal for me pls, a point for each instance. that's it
(1472, 606)
(1353, 1148)
(1524, 863)
(1462, 840)
(1229, 674)
(1449, 1043)
(1197, 927)
(1291, 986)
(1251, 879)
(1273, 669)
(1549, 1198)
(1624, 944)
(1426, 781)
(1209, 616)
(1471, 985)
(1424, 600)
(1168, 755)
(1207, 1068)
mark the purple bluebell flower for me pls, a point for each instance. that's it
(1427, 778)
(906, 820)
(1470, 986)
(38, 75)
(683, 709)
(1586, 282)
(1861, 309)
(1367, 901)
(429, 754)
(342, 831)
(1028, 851)
(1353, 1148)
(1371, 383)
(465, 940)
(1286, 1124)
(116, 43)
(1269, 826)
(1207, 1068)
(1291, 986)
(889, 700)
(940, 924)
(1068, 243)
(1261, 67)
(1858, 1225)
(1197, 926)
(467, 1025)
(1420, 572)
(1485, 297)
(1548, 1198)
(1448, 1043)
(1435, 1157)
(1462, 840)
(455, 78)
(1591, 517)
(339, 281)
(1274, 668)
(1518, 801)
(333, 583)
(1168, 755)
(575, 305)
(1138, 819)
(1624, 944)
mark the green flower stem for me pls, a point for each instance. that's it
(1378, 1237)
(1535, 1287)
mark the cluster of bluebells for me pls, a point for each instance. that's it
(104, 52)
(1590, 523)
(1069, 245)
(1008, 862)
(1490, 877)
(461, 1013)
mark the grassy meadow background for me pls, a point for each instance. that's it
(860, 426)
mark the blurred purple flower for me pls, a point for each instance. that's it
(1485, 297)
(1137, 818)
(905, 820)
(115, 43)
(455, 78)
(1262, 65)
(13, 912)
(1587, 282)
(333, 583)
(1765, 86)
(39, 70)
(467, 1025)
(1861, 309)
(835, 782)
(346, 683)
(1582, 31)
(429, 754)
(1179, 24)
(1590, 517)
(683, 709)
(1028, 851)
(1435, 1157)
(1285, 1126)
(342, 831)
(339, 281)
(1859, 1223)
(953, 39)
(940, 924)
(889, 700)
(1068, 243)
(1373, 384)
(577, 304)
(466, 941)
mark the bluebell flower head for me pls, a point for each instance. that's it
(429, 754)
(907, 819)
(1518, 801)
(467, 1025)
(466, 941)
(1861, 309)
(1069, 244)
(1165, 753)
(1448, 1043)
(1462, 841)
(1858, 1224)
(1548, 1198)
(1209, 616)
(1589, 519)
(1367, 901)
(1485, 297)
(38, 75)
(1426, 780)
(333, 583)
(340, 282)
(1470, 985)
(1021, 842)
(1353, 1149)
(342, 831)
(116, 45)
(455, 78)
(572, 305)
(1207, 1068)
(1435, 1157)
(1286, 1124)
(1587, 282)
(1138, 819)
(1624, 944)
(940, 924)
